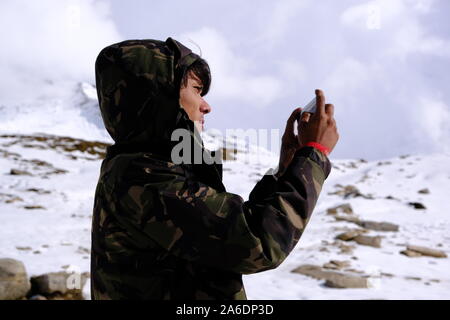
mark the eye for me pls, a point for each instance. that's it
(198, 88)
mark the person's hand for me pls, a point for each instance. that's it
(319, 127)
(289, 142)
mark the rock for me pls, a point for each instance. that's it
(37, 297)
(367, 224)
(353, 219)
(50, 283)
(19, 172)
(329, 266)
(410, 253)
(389, 197)
(354, 270)
(333, 279)
(228, 154)
(58, 283)
(349, 191)
(336, 264)
(435, 280)
(368, 241)
(385, 274)
(417, 205)
(424, 191)
(413, 278)
(345, 249)
(34, 207)
(346, 208)
(379, 226)
(427, 251)
(14, 283)
(38, 191)
(344, 281)
(13, 199)
(313, 271)
(350, 235)
(24, 248)
(341, 263)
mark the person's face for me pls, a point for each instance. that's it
(192, 102)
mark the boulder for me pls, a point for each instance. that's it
(336, 264)
(427, 251)
(345, 208)
(333, 279)
(58, 283)
(368, 241)
(353, 219)
(344, 281)
(350, 191)
(410, 253)
(379, 226)
(350, 235)
(345, 249)
(14, 283)
(18, 172)
(417, 205)
(424, 191)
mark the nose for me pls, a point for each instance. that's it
(205, 107)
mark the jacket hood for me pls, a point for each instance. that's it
(138, 83)
(138, 89)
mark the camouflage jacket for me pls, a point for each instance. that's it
(162, 230)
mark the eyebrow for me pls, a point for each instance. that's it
(196, 79)
(197, 82)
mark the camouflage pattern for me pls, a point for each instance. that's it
(167, 231)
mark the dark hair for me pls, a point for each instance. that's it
(200, 69)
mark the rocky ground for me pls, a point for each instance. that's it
(379, 230)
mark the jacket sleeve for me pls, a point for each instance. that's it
(195, 222)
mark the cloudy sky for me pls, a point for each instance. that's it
(382, 63)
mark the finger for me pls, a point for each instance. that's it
(305, 117)
(320, 103)
(303, 123)
(290, 122)
(332, 122)
(329, 109)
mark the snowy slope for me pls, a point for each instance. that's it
(46, 210)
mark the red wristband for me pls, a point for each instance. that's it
(319, 147)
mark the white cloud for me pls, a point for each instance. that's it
(281, 19)
(433, 118)
(50, 41)
(348, 78)
(359, 15)
(376, 70)
(400, 19)
(234, 77)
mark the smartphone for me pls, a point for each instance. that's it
(311, 107)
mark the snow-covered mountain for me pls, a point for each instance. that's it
(50, 156)
(71, 110)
